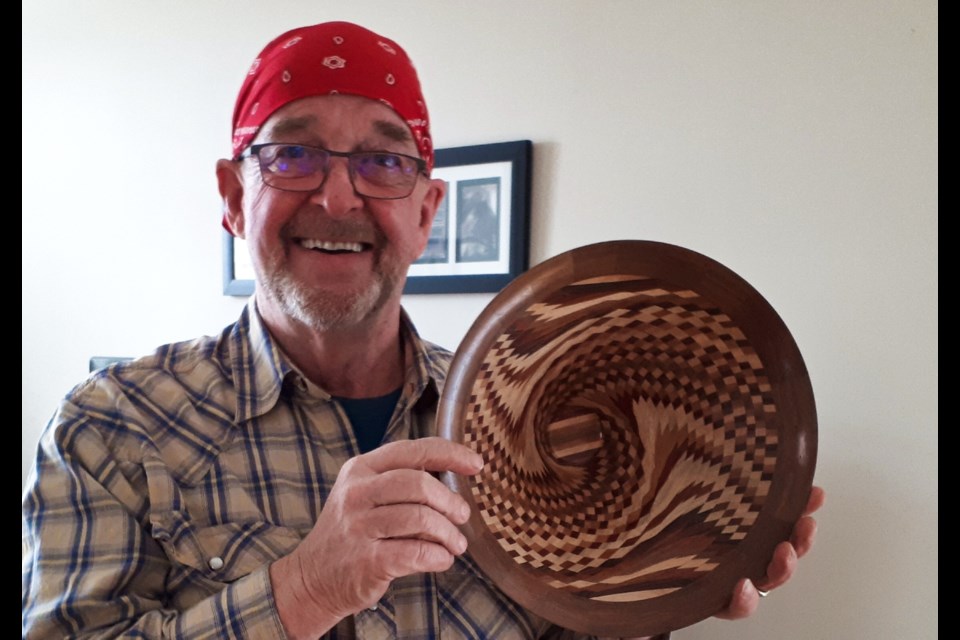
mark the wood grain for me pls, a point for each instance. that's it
(648, 431)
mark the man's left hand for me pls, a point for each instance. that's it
(746, 598)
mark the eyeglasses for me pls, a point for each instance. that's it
(373, 174)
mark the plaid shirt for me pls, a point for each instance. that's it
(164, 487)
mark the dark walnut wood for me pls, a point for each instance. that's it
(649, 432)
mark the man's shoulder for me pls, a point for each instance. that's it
(183, 387)
(185, 364)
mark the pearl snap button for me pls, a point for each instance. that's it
(216, 563)
(374, 607)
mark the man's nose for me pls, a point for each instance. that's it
(337, 195)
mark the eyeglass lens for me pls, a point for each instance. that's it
(374, 174)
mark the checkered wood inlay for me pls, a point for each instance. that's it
(625, 425)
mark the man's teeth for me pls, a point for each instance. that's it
(323, 245)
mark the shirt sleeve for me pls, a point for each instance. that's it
(92, 569)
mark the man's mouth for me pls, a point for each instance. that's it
(327, 246)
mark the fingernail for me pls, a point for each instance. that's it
(477, 461)
(462, 545)
(748, 588)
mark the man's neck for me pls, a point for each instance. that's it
(359, 361)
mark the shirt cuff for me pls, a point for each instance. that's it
(244, 610)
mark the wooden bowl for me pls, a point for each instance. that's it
(649, 435)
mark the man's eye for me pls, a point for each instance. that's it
(384, 160)
(291, 152)
(291, 159)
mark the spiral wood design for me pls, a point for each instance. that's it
(625, 426)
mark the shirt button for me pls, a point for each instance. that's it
(375, 607)
(216, 563)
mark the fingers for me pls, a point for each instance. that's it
(781, 567)
(804, 533)
(406, 486)
(428, 454)
(385, 517)
(406, 557)
(817, 497)
(745, 598)
(415, 522)
(743, 603)
(805, 530)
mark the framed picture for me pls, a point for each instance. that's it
(479, 239)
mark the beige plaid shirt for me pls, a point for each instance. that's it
(164, 487)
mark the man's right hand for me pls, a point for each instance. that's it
(386, 517)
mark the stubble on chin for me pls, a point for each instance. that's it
(322, 309)
(325, 310)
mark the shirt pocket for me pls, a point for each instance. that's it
(218, 554)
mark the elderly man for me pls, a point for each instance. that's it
(275, 480)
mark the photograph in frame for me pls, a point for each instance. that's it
(484, 221)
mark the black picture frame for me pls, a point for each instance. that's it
(480, 238)
(488, 191)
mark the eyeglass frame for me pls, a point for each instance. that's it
(254, 151)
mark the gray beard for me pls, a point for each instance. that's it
(324, 310)
(321, 310)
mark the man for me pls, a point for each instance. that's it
(275, 480)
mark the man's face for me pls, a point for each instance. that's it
(330, 258)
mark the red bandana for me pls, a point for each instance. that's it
(325, 59)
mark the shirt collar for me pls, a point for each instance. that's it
(426, 367)
(259, 366)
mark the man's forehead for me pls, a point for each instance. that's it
(333, 113)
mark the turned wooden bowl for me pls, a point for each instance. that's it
(649, 435)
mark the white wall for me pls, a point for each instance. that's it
(796, 142)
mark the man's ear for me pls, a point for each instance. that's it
(436, 191)
(230, 182)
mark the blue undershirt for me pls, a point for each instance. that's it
(370, 418)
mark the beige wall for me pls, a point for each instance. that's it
(796, 142)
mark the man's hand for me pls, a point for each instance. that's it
(386, 517)
(745, 596)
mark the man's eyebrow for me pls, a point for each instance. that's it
(291, 125)
(393, 131)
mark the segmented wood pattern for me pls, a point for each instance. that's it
(623, 423)
(649, 436)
